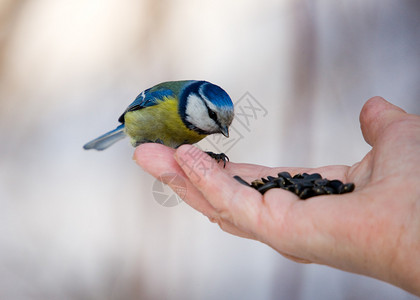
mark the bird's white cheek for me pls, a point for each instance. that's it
(195, 107)
(197, 114)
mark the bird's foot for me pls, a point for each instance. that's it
(219, 157)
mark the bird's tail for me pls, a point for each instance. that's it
(106, 140)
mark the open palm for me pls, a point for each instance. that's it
(374, 230)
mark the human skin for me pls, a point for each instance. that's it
(374, 230)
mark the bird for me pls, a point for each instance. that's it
(173, 113)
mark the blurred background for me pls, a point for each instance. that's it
(78, 224)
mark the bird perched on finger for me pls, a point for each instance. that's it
(173, 113)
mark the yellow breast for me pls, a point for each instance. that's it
(159, 123)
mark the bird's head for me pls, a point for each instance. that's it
(206, 108)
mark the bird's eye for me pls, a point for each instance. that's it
(212, 115)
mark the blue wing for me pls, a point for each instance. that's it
(147, 98)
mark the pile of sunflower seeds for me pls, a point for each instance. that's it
(303, 185)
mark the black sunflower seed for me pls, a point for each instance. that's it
(240, 180)
(269, 185)
(346, 188)
(335, 184)
(284, 175)
(306, 193)
(313, 176)
(321, 182)
(257, 183)
(271, 178)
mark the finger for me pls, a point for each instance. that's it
(158, 160)
(233, 201)
(375, 116)
(155, 158)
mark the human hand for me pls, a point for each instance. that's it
(374, 230)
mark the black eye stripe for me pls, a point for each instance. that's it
(212, 115)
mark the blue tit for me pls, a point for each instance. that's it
(172, 113)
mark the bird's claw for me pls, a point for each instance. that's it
(219, 157)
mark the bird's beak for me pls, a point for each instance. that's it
(225, 131)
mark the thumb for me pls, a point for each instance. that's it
(376, 115)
